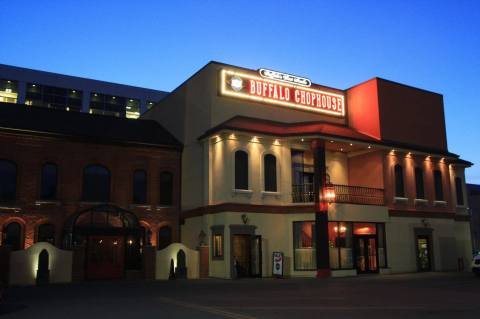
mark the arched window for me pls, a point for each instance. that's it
(48, 189)
(12, 236)
(437, 180)
(164, 237)
(96, 184)
(459, 191)
(46, 232)
(420, 189)
(270, 173)
(139, 187)
(399, 186)
(8, 181)
(241, 170)
(166, 188)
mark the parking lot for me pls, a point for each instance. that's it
(427, 295)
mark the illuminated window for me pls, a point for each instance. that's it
(241, 170)
(437, 180)
(8, 181)
(48, 189)
(8, 91)
(217, 245)
(132, 108)
(96, 184)
(340, 245)
(304, 253)
(419, 187)
(108, 105)
(54, 97)
(399, 185)
(270, 173)
(12, 236)
(139, 187)
(164, 237)
(166, 188)
(46, 233)
(459, 191)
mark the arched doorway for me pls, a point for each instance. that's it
(111, 237)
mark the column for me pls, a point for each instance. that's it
(321, 209)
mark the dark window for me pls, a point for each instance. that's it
(399, 188)
(140, 187)
(96, 184)
(49, 181)
(241, 170)
(459, 191)
(12, 236)
(420, 189)
(166, 188)
(270, 173)
(164, 237)
(8, 180)
(437, 179)
(46, 232)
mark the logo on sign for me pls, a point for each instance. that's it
(284, 77)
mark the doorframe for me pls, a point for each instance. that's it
(426, 232)
(239, 230)
(366, 237)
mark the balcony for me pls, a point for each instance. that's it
(304, 193)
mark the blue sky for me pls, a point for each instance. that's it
(433, 45)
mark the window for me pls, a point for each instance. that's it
(48, 189)
(46, 232)
(54, 97)
(164, 237)
(459, 191)
(399, 187)
(132, 109)
(304, 253)
(270, 173)
(12, 236)
(241, 170)
(96, 184)
(139, 187)
(217, 242)
(340, 245)
(109, 105)
(420, 189)
(166, 188)
(382, 248)
(8, 181)
(8, 91)
(437, 180)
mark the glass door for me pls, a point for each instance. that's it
(366, 256)
(423, 254)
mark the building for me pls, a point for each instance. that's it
(102, 186)
(71, 93)
(474, 204)
(341, 182)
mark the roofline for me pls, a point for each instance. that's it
(393, 82)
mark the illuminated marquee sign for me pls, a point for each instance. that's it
(280, 89)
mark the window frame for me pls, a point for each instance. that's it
(438, 185)
(21, 239)
(96, 200)
(397, 181)
(160, 191)
(134, 201)
(458, 181)
(248, 169)
(217, 230)
(55, 196)
(276, 171)
(419, 181)
(15, 168)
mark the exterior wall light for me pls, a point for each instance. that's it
(328, 193)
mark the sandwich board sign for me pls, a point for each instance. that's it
(277, 267)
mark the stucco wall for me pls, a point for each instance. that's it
(164, 257)
(24, 264)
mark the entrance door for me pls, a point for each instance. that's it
(105, 257)
(366, 259)
(241, 255)
(256, 256)
(423, 253)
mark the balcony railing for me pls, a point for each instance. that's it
(304, 193)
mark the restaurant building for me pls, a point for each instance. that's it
(332, 182)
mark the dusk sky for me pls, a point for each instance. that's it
(434, 45)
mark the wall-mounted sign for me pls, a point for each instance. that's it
(253, 87)
(284, 77)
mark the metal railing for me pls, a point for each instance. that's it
(303, 193)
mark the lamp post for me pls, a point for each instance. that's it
(325, 193)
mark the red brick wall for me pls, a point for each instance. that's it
(30, 152)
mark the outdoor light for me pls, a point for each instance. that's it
(328, 193)
(236, 83)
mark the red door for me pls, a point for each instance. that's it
(105, 257)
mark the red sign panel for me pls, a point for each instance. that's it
(247, 86)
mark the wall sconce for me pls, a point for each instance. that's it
(328, 193)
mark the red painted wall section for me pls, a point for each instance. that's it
(366, 170)
(362, 108)
(411, 116)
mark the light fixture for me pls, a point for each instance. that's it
(232, 136)
(331, 141)
(33, 85)
(369, 147)
(351, 144)
(328, 193)
(113, 97)
(276, 142)
(341, 150)
(73, 91)
(131, 100)
(236, 83)
(254, 139)
(9, 81)
(302, 140)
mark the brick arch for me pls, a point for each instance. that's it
(23, 227)
(148, 227)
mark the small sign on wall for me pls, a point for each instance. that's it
(277, 267)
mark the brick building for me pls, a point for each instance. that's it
(75, 179)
